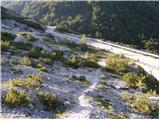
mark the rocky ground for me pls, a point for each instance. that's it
(79, 100)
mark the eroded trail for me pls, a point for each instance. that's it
(83, 108)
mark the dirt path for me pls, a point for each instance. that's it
(83, 108)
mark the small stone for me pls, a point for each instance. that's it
(67, 103)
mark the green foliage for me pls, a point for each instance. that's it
(41, 67)
(28, 36)
(13, 98)
(17, 71)
(78, 47)
(31, 81)
(133, 79)
(50, 41)
(105, 103)
(7, 36)
(21, 45)
(91, 57)
(141, 103)
(77, 62)
(2, 61)
(25, 61)
(143, 82)
(81, 79)
(151, 45)
(83, 39)
(117, 63)
(46, 60)
(5, 45)
(40, 53)
(50, 101)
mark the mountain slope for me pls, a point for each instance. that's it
(133, 23)
(46, 77)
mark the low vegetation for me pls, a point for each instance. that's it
(30, 82)
(7, 36)
(133, 79)
(40, 53)
(117, 63)
(50, 41)
(141, 103)
(78, 47)
(48, 100)
(13, 98)
(105, 103)
(28, 36)
(21, 45)
(5, 45)
(81, 79)
(16, 71)
(25, 61)
(141, 81)
(41, 67)
(77, 62)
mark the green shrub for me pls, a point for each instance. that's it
(16, 71)
(46, 60)
(77, 62)
(5, 45)
(13, 98)
(50, 101)
(31, 81)
(81, 79)
(91, 57)
(141, 103)
(40, 53)
(28, 36)
(105, 103)
(117, 63)
(127, 96)
(78, 47)
(7, 36)
(2, 61)
(25, 61)
(50, 41)
(133, 79)
(83, 39)
(21, 45)
(41, 67)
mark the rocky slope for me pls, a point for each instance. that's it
(54, 85)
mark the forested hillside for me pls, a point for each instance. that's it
(133, 23)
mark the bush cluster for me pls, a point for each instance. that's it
(31, 81)
(13, 98)
(25, 61)
(40, 53)
(5, 45)
(77, 62)
(81, 79)
(21, 45)
(28, 36)
(141, 81)
(117, 63)
(7, 36)
(106, 103)
(141, 103)
(50, 101)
